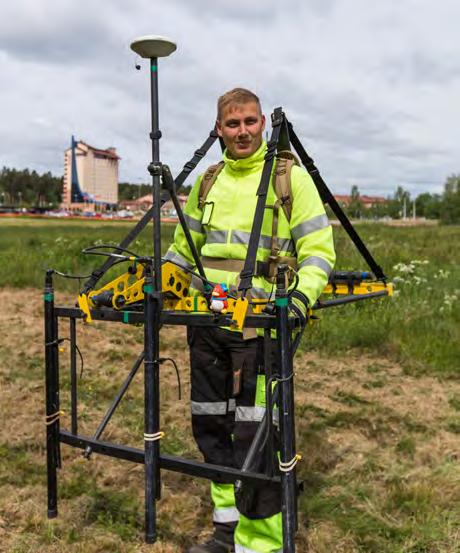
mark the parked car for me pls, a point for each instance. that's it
(124, 214)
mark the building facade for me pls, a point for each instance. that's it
(368, 201)
(90, 177)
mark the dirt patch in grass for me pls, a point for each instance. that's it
(380, 448)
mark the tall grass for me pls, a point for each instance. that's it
(418, 327)
(27, 250)
(379, 447)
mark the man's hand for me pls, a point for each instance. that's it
(299, 306)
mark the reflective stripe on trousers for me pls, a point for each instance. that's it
(253, 414)
(230, 514)
(210, 407)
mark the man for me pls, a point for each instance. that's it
(227, 380)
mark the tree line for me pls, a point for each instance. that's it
(28, 188)
(445, 206)
(25, 188)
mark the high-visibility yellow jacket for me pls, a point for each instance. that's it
(223, 227)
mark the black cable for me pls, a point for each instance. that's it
(59, 341)
(78, 277)
(91, 250)
(296, 283)
(271, 397)
(162, 360)
(67, 275)
(269, 402)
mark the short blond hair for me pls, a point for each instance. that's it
(236, 96)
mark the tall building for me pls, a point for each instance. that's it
(90, 177)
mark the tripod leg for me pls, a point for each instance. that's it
(52, 395)
(115, 403)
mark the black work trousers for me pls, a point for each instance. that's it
(228, 402)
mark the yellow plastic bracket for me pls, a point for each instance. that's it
(83, 304)
(361, 288)
(258, 305)
(239, 313)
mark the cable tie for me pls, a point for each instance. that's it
(55, 342)
(50, 419)
(154, 362)
(289, 465)
(153, 437)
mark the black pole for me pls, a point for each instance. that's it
(73, 376)
(114, 405)
(286, 411)
(151, 406)
(52, 396)
(152, 312)
(155, 171)
(349, 299)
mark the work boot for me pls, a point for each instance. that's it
(220, 542)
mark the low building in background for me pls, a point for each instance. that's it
(90, 178)
(144, 203)
(368, 201)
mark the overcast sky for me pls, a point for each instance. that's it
(372, 87)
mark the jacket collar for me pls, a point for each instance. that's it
(246, 163)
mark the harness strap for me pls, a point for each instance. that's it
(237, 265)
(282, 184)
(246, 275)
(275, 248)
(285, 160)
(207, 181)
(223, 264)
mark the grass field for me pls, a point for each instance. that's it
(377, 395)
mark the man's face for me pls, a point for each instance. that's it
(241, 127)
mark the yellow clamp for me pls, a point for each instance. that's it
(239, 313)
(83, 304)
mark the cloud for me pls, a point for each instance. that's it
(371, 92)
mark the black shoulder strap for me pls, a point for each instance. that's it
(247, 273)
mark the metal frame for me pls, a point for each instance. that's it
(151, 457)
(152, 316)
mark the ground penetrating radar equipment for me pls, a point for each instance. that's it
(153, 292)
